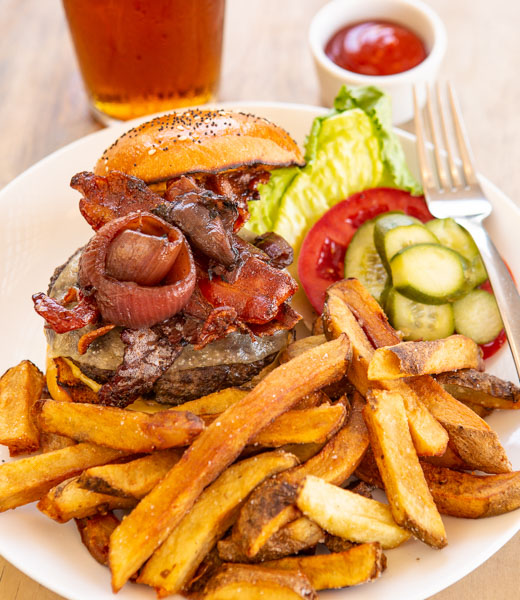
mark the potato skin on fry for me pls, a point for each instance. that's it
(356, 565)
(95, 534)
(252, 582)
(473, 496)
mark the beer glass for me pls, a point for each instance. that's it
(143, 56)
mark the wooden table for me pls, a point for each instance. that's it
(43, 107)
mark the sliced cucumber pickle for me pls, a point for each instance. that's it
(362, 261)
(452, 235)
(418, 321)
(477, 316)
(428, 273)
(401, 237)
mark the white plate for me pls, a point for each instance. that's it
(41, 226)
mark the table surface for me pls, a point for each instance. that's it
(266, 57)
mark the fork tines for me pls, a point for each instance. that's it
(451, 178)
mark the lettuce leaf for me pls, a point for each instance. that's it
(353, 148)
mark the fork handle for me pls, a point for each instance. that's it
(504, 288)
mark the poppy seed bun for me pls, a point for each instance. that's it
(199, 141)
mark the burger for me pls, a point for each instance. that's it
(170, 299)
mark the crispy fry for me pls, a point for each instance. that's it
(481, 411)
(473, 496)
(302, 451)
(299, 346)
(481, 388)
(292, 538)
(356, 565)
(119, 428)
(95, 534)
(252, 582)
(410, 499)
(272, 504)
(309, 425)
(450, 459)
(68, 501)
(172, 566)
(311, 400)
(408, 359)
(150, 523)
(27, 479)
(133, 479)
(460, 494)
(215, 403)
(66, 382)
(471, 437)
(348, 298)
(349, 515)
(20, 389)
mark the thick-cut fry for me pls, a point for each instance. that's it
(310, 425)
(172, 565)
(481, 388)
(459, 494)
(473, 496)
(349, 515)
(68, 500)
(471, 437)
(53, 441)
(299, 346)
(67, 383)
(253, 582)
(215, 403)
(133, 479)
(27, 479)
(292, 538)
(348, 298)
(150, 523)
(410, 499)
(450, 459)
(356, 565)
(409, 359)
(272, 504)
(119, 428)
(20, 389)
(95, 534)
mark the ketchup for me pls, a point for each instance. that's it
(375, 48)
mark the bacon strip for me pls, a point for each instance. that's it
(62, 319)
(115, 195)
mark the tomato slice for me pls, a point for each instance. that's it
(323, 250)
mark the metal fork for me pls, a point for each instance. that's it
(458, 195)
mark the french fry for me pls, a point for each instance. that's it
(20, 389)
(133, 479)
(356, 565)
(27, 479)
(348, 299)
(215, 403)
(251, 582)
(409, 359)
(473, 496)
(272, 504)
(303, 426)
(349, 515)
(459, 494)
(410, 500)
(481, 388)
(292, 538)
(68, 500)
(119, 428)
(172, 565)
(450, 459)
(311, 400)
(95, 534)
(66, 382)
(150, 523)
(470, 436)
(299, 346)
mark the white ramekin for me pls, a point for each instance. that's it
(414, 14)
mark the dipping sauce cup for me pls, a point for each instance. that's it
(139, 57)
(414, 16)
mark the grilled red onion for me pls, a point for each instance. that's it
(135, 304)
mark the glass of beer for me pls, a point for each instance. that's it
(139, 57)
